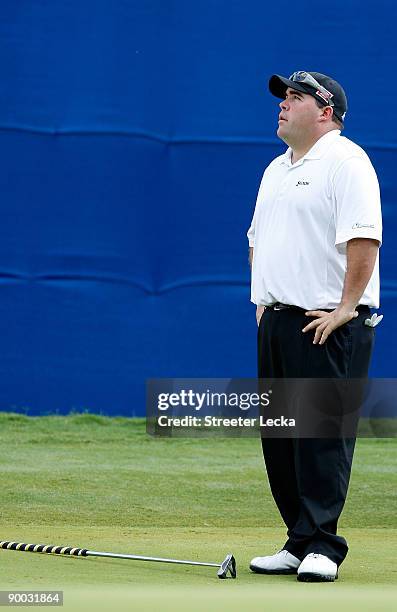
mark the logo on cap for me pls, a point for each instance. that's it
(325, 95)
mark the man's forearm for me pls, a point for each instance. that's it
(259, 309)
(361, 258)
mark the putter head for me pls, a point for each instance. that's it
(228, 566)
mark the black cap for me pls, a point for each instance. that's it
(278, 86)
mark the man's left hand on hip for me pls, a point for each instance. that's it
(326, 322)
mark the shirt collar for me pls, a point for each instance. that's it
(316, 152)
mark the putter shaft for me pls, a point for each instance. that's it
(93, 553)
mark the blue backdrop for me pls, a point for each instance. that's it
(134, 135)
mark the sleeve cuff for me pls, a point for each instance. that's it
(342, 237)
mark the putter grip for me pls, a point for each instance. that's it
(45, 548)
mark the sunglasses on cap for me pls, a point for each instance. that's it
(304, 77)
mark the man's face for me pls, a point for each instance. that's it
(298, 117)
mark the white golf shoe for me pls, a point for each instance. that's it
(280, 563)
(317, 568)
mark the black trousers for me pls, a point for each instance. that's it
(309, 477)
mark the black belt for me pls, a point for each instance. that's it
(281, 306)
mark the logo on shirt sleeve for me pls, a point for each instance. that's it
(358, 225)
(302, 182)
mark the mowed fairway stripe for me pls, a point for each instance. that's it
(235, 599)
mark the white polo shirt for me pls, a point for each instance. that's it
(304, 215)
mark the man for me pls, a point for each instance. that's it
(314, 243)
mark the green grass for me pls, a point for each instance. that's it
(103, 484)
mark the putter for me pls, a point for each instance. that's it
(228, 566)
